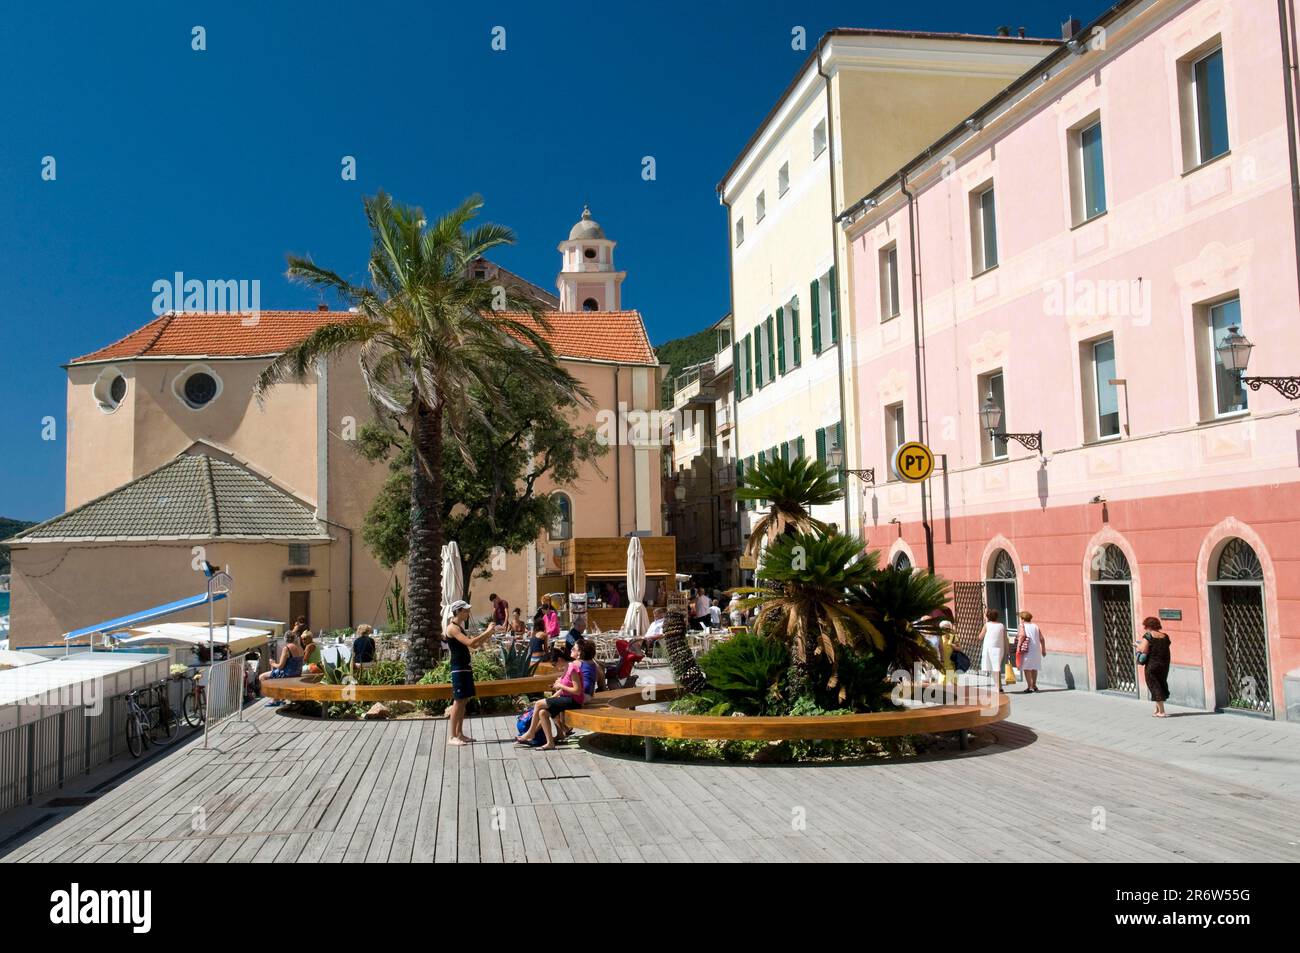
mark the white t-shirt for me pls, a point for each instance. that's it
(715, 616)
(702, 605)
(656, 629)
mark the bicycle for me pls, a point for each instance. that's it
(194, 703)
(149, 719)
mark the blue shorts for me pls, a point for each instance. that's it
(462, 684)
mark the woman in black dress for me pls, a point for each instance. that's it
(1154, 652)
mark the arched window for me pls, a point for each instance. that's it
(197, 386)
(1238, 563)
(1000, 589)
(591, 304)
(562, 528)
(109, 389)
(902, 561)
(1109, 564)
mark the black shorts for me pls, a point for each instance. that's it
(557, 704)
(462, 684)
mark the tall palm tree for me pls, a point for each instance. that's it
(801, 595)
(789, 490)
(435, 345)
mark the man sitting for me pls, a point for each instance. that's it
(363, 646)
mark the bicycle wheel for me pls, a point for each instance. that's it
(168, 726)
(135, 735)
(192, 709)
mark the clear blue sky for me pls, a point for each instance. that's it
(218, 163)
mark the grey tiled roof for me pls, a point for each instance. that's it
(192, 497)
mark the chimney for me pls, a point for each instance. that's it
(1069, 28)
(322, 306)
(1004, 31)
(1021, 32)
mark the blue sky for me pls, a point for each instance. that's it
(218, 163)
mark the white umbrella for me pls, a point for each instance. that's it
(635, 622)
(453, 578)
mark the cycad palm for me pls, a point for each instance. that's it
(790, 489)
(801, 597)
(900, 604)
(435, 345)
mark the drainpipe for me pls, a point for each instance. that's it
(922, 423)
(1285, 19)
(618, 459)
(839, 282)
(734, 512)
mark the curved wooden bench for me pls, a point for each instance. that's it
(615, 713)
(311, 689)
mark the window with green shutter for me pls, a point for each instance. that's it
(794, 330)
(735, 371)
(749, 367)
(771, 351)
(821, 444)
(780, 340)
(758, 355)
(801, 449)
(816, 317)
(785, 451)
(835, 309)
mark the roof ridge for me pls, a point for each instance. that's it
(163, 325)
(209, 493)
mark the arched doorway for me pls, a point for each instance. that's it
(1238, 635)
(1112, 621)
(902, 561)
(1000, 589)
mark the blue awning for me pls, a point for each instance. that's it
(145, 615)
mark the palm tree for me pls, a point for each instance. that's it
(900, 603)
(686, 671)
(789, 489)
(435, 345)
(802, 598)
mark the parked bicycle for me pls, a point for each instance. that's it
(149, 719)
(194, 704)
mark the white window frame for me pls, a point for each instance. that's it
(760, 207)
(1097, 385)
(1214, 363)
(894, 415)
(783, 179)
(740, 231)
(888, 271)
(819, 138)
(979, 252)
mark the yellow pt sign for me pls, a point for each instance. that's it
(913, 462)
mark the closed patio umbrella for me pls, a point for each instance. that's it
(635, 622)
(453, 578)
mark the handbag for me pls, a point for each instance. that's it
(1142, 658)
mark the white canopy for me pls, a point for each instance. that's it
(635, 621)
(453, 580)
(240, 639)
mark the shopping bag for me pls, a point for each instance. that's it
(1009, 674)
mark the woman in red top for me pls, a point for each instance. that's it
(568, 694)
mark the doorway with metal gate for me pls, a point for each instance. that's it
(1113, 635)
(1238, 633)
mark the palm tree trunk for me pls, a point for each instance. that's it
(424, 562)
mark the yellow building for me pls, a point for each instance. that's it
(171, 461)
(862, 104)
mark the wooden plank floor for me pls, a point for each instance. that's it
(283, 789)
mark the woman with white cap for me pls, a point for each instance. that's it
(459, 644)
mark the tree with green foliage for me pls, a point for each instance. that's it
(526, 437)
(435, 345)
(788, 489)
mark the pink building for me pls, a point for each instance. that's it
(1070, 258)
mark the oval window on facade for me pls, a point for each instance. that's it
(110, 389)
(197, 386)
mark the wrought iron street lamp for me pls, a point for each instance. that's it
(991, 420)
(1234, 354)
(835, 457)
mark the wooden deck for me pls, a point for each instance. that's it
(288, 789)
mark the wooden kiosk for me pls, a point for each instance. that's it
(598, 567)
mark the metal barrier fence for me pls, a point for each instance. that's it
(38, 757)
(223, 686)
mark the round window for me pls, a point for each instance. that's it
(589, 252)
(117, 389)
(109, 389)
(200, 388)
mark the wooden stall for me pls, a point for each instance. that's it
(598, 567)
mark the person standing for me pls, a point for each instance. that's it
(994, 646)
(500, 610)
(459, 645)
(1153, 655)
(702, 606)
(1030, 651)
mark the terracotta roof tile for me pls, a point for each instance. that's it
(593, 335)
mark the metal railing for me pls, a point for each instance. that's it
(223, 689)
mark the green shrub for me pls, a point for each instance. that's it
(744, 675)
(383, 673)
(486, 666)
(863, 682)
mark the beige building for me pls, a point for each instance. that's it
(171, 460)
(863, 103)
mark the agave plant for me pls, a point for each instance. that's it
(900, 604)
(789, 490)
(516, 660)
(802, 597)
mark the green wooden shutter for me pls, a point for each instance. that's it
(816, 318)
(735, 371)
(785, 451)
(821, 445)
(835, 309)
(740, 472)
(801, 450)
(759, 375)
(771, 351)
(794, 329)
(780, 340)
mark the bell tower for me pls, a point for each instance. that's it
(588, 280)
